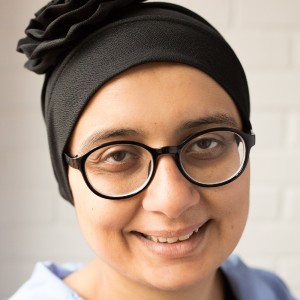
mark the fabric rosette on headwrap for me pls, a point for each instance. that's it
(81, 45)
(60, 25)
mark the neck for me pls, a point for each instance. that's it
(92, 284)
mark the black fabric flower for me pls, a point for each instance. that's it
(60, 25)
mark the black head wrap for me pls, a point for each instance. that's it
(80, 45)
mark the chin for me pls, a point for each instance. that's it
(178, 279)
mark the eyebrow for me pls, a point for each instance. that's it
(100, 136)
(215, 119)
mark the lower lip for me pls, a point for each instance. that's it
(178, 249)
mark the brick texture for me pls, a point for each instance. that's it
(270, 14)
(33, 218)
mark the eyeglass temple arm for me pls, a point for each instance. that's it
(252, 138)
(73, 162)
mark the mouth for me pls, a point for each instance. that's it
(171, 244)
(170, 240)
(173, 239)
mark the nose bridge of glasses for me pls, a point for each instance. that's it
(167, 150)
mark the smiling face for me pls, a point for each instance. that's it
(173, 235)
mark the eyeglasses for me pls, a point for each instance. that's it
(122, 169)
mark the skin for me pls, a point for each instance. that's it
(156, 99)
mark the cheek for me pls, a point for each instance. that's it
(101, 221)
(235, 206)
(90, 208)
(83, 197)
(230, 205)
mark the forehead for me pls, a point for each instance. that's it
(155, 99)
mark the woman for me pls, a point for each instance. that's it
(147, 112)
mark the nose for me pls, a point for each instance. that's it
(169, 193)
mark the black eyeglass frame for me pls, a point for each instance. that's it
(79, 162)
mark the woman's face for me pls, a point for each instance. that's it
(159, 105)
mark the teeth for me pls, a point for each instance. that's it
(185, 237)
(162, 239)
(153, 238)
(171, 240)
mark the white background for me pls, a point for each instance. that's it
(36, 224)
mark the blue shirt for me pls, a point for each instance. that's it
(246, 283)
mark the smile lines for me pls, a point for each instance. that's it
(170, 240)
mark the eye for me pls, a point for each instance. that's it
(117, 154)
(205, 147)
(205, 143)
(120, 157)
(116, 158)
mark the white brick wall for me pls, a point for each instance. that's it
(35, 224)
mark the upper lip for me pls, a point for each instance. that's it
(171, 233)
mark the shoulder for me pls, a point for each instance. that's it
(46, 282)
(251, 283)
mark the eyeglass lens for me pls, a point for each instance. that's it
(118, 170)
(214, 157)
